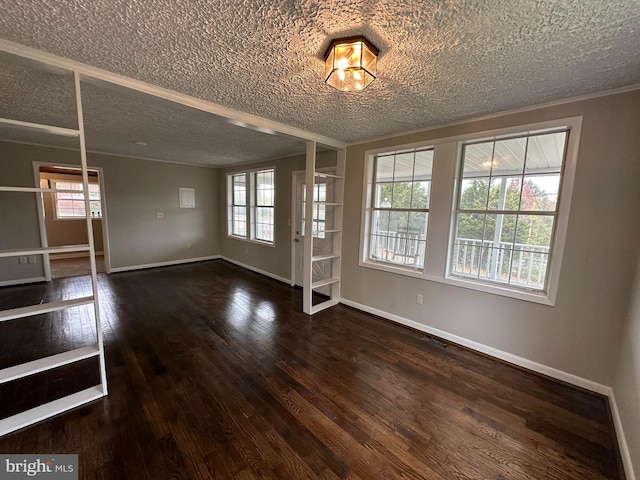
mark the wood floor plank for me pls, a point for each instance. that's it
(215, 373)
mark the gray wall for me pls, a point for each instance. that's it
(19, 227)
(626, 385)
(275, 260)
(581, 334)
(135, 190)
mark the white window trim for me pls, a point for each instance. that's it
(230, 205)
(442, 210)
(254, 205)
(250, 206)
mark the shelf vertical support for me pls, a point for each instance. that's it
(338, 195)
(310, 168)
(44, 241)
(92, 250)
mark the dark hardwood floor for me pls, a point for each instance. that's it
(215, 373)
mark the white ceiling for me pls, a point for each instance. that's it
(441, 61)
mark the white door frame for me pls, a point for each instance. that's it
(295, 175)
(41, 218)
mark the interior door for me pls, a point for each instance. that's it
(322, 220)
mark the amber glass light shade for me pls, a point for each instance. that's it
(350, 64)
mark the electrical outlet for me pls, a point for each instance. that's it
(159, 215)
(32, 259)
(22, 260)
(419, 299)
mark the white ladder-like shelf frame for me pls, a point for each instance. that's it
(335, 257)
(16, 372)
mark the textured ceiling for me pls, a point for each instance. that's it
(115, 116)
(441, 60)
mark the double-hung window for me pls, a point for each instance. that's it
(251, 205)
(265, 205)
(70, 203)
(506, 209)
(498, 211)
(238, 206)
(399, 208)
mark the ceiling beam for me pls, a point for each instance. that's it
(237, 117)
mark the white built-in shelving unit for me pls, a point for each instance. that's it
(333, 205)
(18, 372)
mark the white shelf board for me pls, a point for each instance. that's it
(324, 282)
(328, 256)
(47, 363)
(42, 412)
(331, 204)
(323, 306)
(38, 127)
(43, 308)
(41, 250)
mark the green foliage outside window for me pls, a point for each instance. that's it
(517, 227)
(403, 195)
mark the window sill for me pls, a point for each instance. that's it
(255, 242)
(539, 297)
(534, 296)
(388, 267)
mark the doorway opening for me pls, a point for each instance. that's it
(63, 218)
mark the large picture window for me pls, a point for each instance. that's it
(400, 208)
(506, 209)
(251, 205)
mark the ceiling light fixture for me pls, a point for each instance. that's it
(490, 163)
(350, 64)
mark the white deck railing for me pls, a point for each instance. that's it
(515, 264)
(403, 248)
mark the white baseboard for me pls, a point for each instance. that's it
(257, 270)
(622, 440)
(492, 352)
(22, 281)
(521, 362)
(163, 264)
